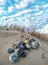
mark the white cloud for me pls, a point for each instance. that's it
(27, 23)
(20, 13)
(23, 4)
(11, 8)
(37, 7)
(2, 1)
(1, 10)
(39, 13)
(45, 6)
(31, 1)
(28, 15)
(17, 6)
(47, 10)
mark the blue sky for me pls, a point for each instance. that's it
(28, 13)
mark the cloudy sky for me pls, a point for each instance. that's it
(28, 13)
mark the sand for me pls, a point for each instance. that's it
(34, 57)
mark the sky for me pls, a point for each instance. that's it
(27, 13)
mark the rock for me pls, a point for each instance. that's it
(21, 52)
(28, 47)
(32, 40)
(13, 58)
(10, 50)
(35, 45)
(21, 45)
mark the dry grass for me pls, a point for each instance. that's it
(43, 37)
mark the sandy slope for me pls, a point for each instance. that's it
(34, 57)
